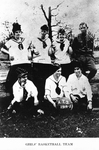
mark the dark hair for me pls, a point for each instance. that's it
(44, 27)
(61, 30)
(16, 27)
(83, 23)
(56, 67)
(21, 72)
(77, 64)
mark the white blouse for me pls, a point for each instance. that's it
(62, 56)
(18, 90)
(20, 56)
(79, 86)
(50, 86)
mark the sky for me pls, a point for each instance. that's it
(30, 16)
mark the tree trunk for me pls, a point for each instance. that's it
(49, 24)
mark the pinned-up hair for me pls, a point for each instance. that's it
(56, 67)
(16, 27)
(44, 27)
(21, 72)
(77, 64)
(61, 30)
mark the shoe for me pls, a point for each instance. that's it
(40, 111)
(14, 112)
(9, 107)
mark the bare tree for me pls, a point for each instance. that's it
(49, 19)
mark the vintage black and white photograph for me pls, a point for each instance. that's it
(49, 72)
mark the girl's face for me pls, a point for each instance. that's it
(58, 72)
(61, 37)
(22, 81)
(17, 34)
(43, 34)
(77, 71)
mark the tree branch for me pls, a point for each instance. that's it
(57, 6)
(55, 15)
(56, 24)
(44, 12)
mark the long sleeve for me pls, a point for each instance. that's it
(64, 87)
(17, 93)
(31, 89)
(47, 88)
(88, 90)
(79, 87)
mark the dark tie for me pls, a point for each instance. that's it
(58, 90)
(20, 46)
(62, 46)
(44, 44)
(24, 93)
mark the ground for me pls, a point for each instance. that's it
(59, 126)
(69, 125)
